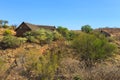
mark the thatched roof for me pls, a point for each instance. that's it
(35, 27)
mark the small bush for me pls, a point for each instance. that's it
(7, 32)
(22, 40)
(57, 36)
(40, 36)
(40, 67)
(64, 32)
(30, 38)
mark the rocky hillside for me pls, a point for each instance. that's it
(13, 63)
(23, 63)
(70, 66)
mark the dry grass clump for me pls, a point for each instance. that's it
(71, 68)
(103, 73)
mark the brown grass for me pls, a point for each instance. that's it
(107, 70)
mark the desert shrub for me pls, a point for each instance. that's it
(49, 36)
(64, 32)
(43, 36)
(67, 34)
(30, 38)
(22, 40)
(72, 34)
(41, 67)
(44, 66)
(92, 49)
(40, 34)
(10, 42)
(7, 32)
(57, 36)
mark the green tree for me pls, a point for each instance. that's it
(86, 28)
(92, 49)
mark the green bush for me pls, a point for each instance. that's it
(41, 67)
(22, 40)
(92, 49)
(49, 36)
(57, 36)
(30, 38)
(64, 32)
(67, 34)
(41, 36)
(7, 32)
(10, 42)
(72, 34)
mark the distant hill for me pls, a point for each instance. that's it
(111, 31)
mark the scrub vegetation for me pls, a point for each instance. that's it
(62, 54)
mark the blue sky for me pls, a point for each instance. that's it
(68, 13)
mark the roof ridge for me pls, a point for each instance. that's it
(37, 25)
(34, 27)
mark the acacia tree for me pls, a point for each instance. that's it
(86, 28)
